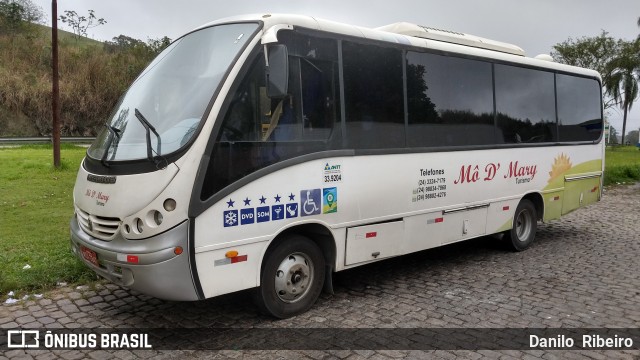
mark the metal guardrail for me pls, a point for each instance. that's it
(44, 140)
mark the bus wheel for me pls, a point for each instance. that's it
(525, 222)
(292, 277)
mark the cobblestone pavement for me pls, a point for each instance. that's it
(582, 272)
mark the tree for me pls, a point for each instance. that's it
(10, 16)
(80, 24)
(32, 13)
(122, 43)
(125, 46)
(613, 136)
(587, 52)
(15, 14)
(157, 45)
(632, 137)
(591, 53)
(621, 79)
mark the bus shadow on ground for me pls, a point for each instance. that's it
(437, 264)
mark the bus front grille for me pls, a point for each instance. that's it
(100, 227)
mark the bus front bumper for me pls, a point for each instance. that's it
(150, 266)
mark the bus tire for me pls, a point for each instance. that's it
(523, 232)
(292, 277)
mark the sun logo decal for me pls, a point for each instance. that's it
(561, 164)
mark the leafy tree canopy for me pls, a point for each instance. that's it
(16, 14)
(588, 52)
(124, 43)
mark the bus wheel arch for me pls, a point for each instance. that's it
(296, 266)
(523, 231)
(538, 202)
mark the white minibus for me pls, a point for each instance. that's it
(271, 151)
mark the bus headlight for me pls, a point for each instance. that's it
(138, 225)
(153, 218)
(157, 217)
(169, 205)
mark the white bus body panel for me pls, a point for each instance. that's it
(106, 199)
(403, 202)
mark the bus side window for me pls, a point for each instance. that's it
(450, 101)
(258, 131)
(374, 101)
(525, 105)
(307, 113)
(238, 124)
(318, 106)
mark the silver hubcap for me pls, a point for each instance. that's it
(293, 277)
(524, 225)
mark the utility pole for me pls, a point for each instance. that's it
(55, 96)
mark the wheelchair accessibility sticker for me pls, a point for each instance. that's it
(310, 202)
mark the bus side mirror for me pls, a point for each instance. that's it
(277, 71)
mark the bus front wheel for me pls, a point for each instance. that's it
(523, 232)
(292, 277)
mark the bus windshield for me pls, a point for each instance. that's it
(172, 94)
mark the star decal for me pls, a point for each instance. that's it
(277, 197)
(262, 199)
(247, 202)
(292, 197)
(230, 203)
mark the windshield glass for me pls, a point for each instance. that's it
(172, 94)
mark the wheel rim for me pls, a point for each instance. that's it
(524, 224)
(293, 277)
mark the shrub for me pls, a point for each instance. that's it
(92, 79)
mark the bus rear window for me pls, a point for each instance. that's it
(579, 114)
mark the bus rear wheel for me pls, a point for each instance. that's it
(525, 222)
(292, 277)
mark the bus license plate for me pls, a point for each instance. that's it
(90, 256)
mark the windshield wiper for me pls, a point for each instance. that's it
(113, 132)
(147, 125)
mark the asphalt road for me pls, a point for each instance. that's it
(583, 272)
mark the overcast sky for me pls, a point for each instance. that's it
(534, 25)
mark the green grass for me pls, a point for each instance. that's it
(36, 204)
(621, 165)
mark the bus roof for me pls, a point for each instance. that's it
(407, 34)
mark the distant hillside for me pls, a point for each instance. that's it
(93, 75)
(65, 36)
